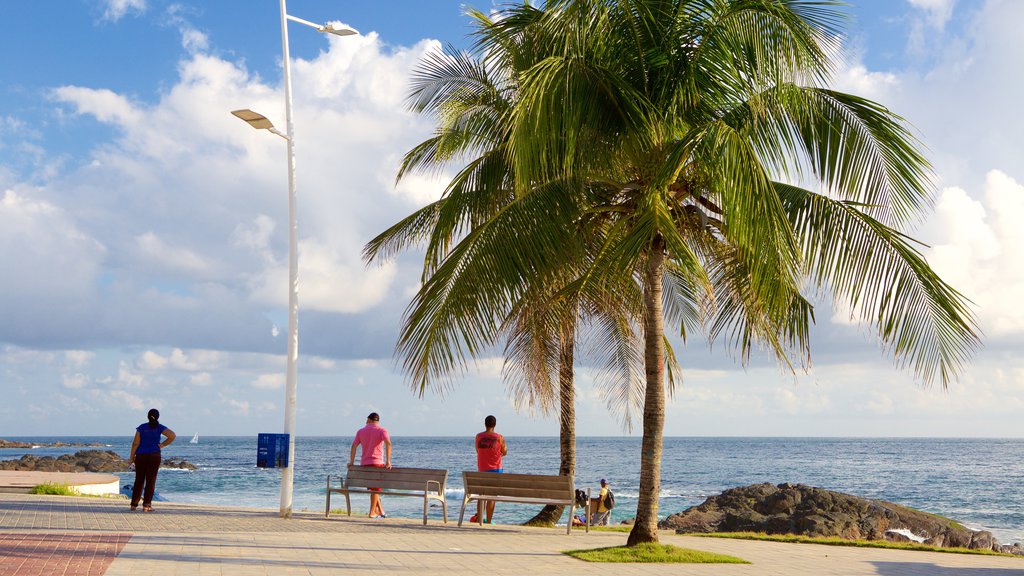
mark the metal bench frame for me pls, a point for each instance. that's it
(426, 483)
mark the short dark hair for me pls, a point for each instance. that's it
(490, 422)
(374, 417)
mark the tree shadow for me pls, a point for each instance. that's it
(919, 568)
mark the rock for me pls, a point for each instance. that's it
(1015, 548)
(179, 463)
(983, 540)
(58, 444)
(810, 511)
(106, 461)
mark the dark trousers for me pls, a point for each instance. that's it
(146, 467)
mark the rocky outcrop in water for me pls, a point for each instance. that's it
(84, 461)
(58, 444)
(804, 510)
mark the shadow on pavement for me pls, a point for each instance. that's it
(919, 568)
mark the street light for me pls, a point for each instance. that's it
(259, 121)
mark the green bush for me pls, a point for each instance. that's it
(54, 489)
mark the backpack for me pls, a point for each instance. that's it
(609, 500)
(581, 498)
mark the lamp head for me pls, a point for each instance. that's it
(254, 119)
(329, 28)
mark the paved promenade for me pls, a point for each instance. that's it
(95, 536)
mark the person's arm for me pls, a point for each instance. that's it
(170, 437)
(135, 446)
(387, 451)
(352, 455)
(504, 448)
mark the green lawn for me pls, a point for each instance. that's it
(653, 553)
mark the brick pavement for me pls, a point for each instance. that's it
(204, 540)
(70, 554)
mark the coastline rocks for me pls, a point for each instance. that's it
(809, 511)
(58, 444)
(83, 461)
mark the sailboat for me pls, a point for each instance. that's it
(195, 439)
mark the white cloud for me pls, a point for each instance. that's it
(78, 358)
(268, 381)
(105, 105)
(937, 12)
(237, 407)
(76, 381)
(172, 233)
(154, 251)
(114, 10)
(979, 252)
(121, 398)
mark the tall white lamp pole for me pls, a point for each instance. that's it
(259, 121)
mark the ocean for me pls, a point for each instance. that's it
(978, 482)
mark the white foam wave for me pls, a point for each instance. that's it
(907, 533)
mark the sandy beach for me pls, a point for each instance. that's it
(53, 534)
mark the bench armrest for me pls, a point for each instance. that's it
(436, 483)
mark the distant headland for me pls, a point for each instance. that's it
(58, 444)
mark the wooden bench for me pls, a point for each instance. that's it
(521, 489)
(426, 483)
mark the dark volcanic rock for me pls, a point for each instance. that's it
(83, 461)
(177, 463)
(804, 510)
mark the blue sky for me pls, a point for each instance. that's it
(143, 228)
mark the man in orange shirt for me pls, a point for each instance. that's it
(490, 447)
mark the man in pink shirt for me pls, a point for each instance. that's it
(376, 444)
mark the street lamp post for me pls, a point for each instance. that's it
(260, 122)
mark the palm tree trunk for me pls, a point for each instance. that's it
(549, 515)
(645, 527)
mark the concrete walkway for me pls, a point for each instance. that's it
(57, 535)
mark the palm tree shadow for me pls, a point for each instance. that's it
(918, 568)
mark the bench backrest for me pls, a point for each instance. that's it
(395, 478)
(519, 485)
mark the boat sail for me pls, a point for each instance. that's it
(195, 439)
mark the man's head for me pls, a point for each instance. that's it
(490, 422)
(604, 482)
(373, 417)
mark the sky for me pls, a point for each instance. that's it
(143, 229)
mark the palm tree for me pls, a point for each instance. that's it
(663, 152)
(694, 114)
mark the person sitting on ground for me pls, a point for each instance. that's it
(376, 447)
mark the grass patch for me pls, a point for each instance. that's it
(834, 541)
(343, 512)
(617, 528)
(653, 553)
(53, 489)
